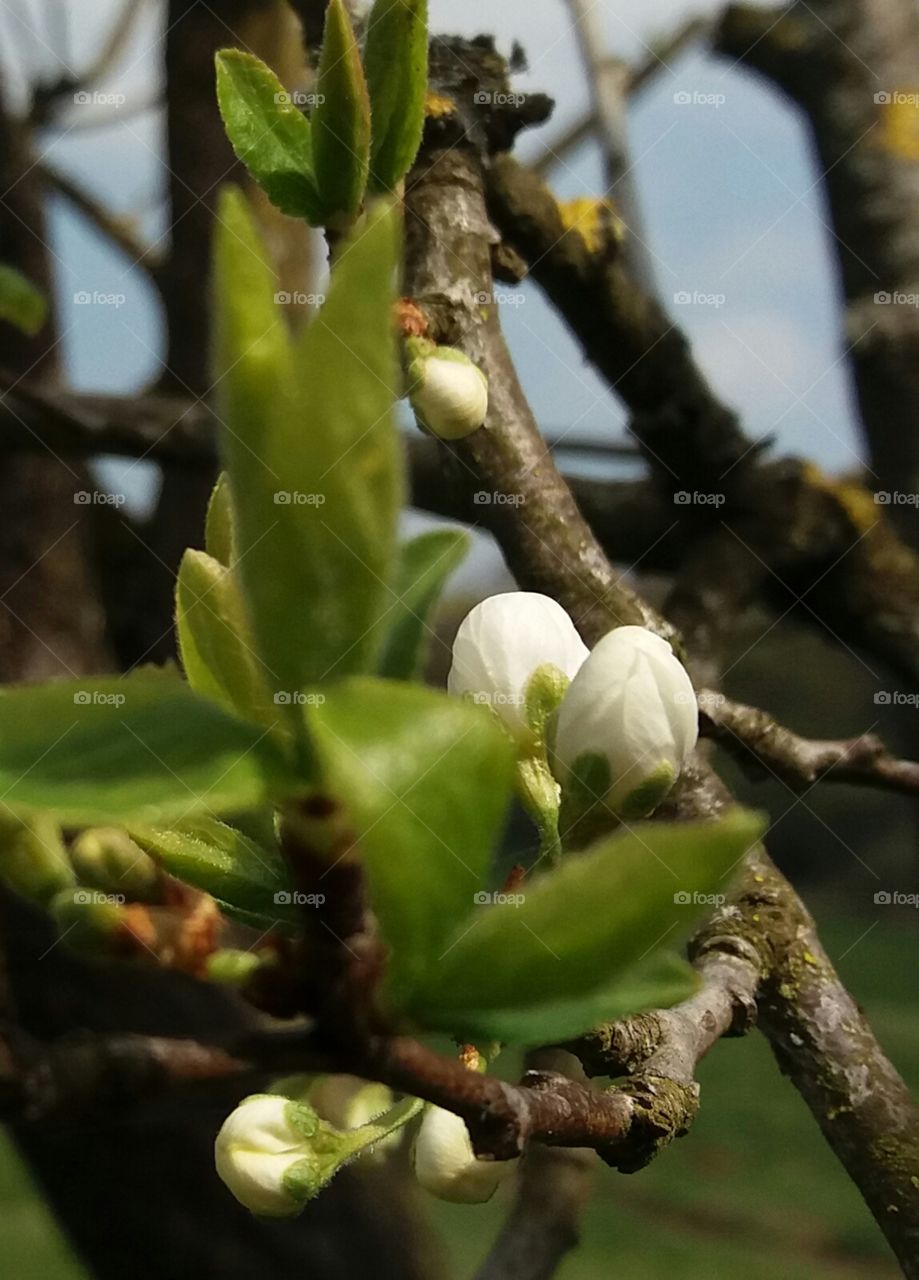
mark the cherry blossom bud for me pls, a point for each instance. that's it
(448, 393)
(263, 1155)
(628, 722)
(447, 1166)
(506, 641)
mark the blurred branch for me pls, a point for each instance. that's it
(851, 69)
(640, 77)
(768, 747)
(47, 97)
(609, 80)
(116, 229)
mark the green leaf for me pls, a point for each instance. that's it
(220, 523)
(248, 879)
(341, 121)
(313, 456)
(658, 982)
(100, 751)
(21, 303)
(269, 134)
(425, 563)
(396, 66)
(426, 781)
(584, 925)
(215, 642)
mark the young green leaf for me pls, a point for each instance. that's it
(426, 781)
(246, 878)
(660, 980)
(312, 453)
(341, 121)
(396, 66)
(215, 642)
(21, 303)
(269, 134)
(425, 563)
(220, 523)
(584, 925)
(100, 751)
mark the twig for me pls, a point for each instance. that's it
(769, 747)
(609, 79)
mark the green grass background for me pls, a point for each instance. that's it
(752, 1190)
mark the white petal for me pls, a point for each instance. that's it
(446, 1165)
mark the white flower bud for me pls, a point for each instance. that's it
(632, 705)
(503, 642)
(257, 1148)
(447, 1166)
(448, 393)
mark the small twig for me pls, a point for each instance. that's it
(609, 79)
(761, 742)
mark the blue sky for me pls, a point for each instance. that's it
(729, 191)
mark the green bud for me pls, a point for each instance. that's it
(33, 860)
(234, 968)
(90, 922)
(107, 858)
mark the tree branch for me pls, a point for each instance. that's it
(760, 742)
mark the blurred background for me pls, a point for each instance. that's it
(735, 226)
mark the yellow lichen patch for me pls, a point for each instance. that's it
(595, 220)
(899, 131)
(437, 105)
(859, 505)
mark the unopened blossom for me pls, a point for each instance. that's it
(448, 393)
(447, 1166)
(632, 704)
(503, 642)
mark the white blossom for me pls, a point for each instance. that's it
(633, 704)
(502, 642)
(257, 1146)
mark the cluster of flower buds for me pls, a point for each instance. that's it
(448, 393)
(621, 720)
